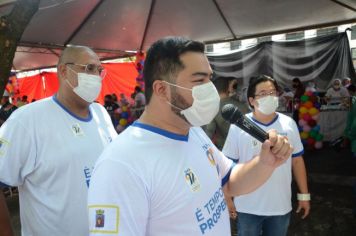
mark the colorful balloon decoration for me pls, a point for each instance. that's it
(124, 117)
(139, 63)
(308, 121)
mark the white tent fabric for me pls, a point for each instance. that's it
(112, 27)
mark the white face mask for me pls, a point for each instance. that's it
(206, 103)
(267, 105)
(89, 86)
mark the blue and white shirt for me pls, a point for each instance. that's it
(49, 153)
(153, 182)
(274, 196)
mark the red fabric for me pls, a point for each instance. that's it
(120, 78)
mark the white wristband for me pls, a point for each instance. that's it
(303, 196)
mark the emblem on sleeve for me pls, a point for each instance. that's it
(104, 219)
(99, 218)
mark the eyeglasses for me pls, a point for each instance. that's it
(91, 69)
(266, 93)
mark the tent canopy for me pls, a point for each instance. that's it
(114, 27)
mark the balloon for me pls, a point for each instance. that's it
(306, 128)
(118, 110)
(124, 108)
(130, 120)
(316, 128)
(312, 133)
(119, 128)
(313, 111)
(311, 123)
(308, 104)
(315, 117)
(125, 115)
(309, 93)
(306, 117)
(123, 122)
(311, 141)
(313, 99)
(317, 105)
(303, 110)
(319, 137)
(302, 122)
(304, 98)
(304, 135)
(318, 145)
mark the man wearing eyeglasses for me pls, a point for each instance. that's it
(267, 209)
(62, 136)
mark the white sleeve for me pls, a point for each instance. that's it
(17, 153)
(298, 148)
(224, 166)
(230, 148)
(117, 202)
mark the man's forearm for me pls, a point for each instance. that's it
(5, 223)
(300, 174)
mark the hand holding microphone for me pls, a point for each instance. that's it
(275, 149)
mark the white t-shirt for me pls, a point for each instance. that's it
(274, 196)
(151, 182)
(336, 95)
(50, 154)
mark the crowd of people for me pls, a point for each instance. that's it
(163, 174)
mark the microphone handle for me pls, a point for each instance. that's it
(252, 129)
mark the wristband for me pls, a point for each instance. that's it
(303, 196)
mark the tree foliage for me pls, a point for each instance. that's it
(12, 27)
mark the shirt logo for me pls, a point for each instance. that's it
(254, 142)
(3, 146)
(192, 180)
(100, 218)
(209, 154)
(77, 131)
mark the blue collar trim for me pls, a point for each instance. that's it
(162, 132)
(268, 124)
(54, 97)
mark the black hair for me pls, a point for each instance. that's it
(163, 60)
(108, 96)
(222, 84)
(254, 81)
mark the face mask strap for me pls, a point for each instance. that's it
(176, 85)
(175, 106)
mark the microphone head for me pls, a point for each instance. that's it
(231, 113)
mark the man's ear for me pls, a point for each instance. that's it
(160, 89)
(251, 101)
(61, 71)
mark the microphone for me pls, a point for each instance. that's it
(232, 114)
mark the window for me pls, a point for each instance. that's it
(353, 32)
(326, 31)
(209, 48)
(264, 39)
(235, 45)
(295, 36)
(353, 53)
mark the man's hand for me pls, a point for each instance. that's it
(305, 205)
(276, 150)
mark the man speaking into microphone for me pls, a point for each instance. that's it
(163, 176)
(268, 208)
